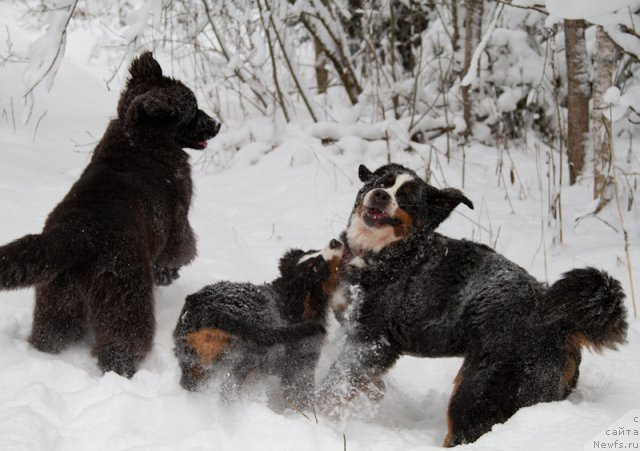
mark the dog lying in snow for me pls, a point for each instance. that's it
(423, 294)
(277, 328)
(123, 224)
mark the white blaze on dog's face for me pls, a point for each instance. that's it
(331, 253)
(378, 220)
(324, 266)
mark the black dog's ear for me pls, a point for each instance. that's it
(441, 202)
(452, 197)
(145, 68)
(364, 173)
(289, 260)
(151, 107)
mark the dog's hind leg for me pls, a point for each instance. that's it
(58, 318)
(122, 315)
(484, 394)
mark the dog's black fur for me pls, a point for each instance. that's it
(276, 328)
(123, 224)
(423, 294)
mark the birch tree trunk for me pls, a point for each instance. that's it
(578, 95)
(605, 59)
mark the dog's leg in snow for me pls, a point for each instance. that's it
(359, 369)
(482, 396)
(299, 371)
(121, 314)
(58, 317)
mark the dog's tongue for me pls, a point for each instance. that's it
(202, 144)
(375, 213)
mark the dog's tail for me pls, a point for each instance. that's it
(588, 305)
(36, 259)
(262, 334)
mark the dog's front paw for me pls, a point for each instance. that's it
(329, 403)
(353, 272)
(165, 276)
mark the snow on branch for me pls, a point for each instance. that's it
(471, 74)
(46, 52)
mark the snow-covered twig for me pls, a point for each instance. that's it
(625, 234)
(272, 56)
(46, 59)
(292, 71)
(471, 74)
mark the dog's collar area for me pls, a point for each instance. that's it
(349, 255)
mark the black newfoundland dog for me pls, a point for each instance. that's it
(122, 225)
(420, 293)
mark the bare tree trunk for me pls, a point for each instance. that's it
(473, 9)
(318, 26)
(455, 36)
(322, 74)
(578, 95)
(605, 59)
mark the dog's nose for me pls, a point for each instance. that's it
(216, 126)
(380, 196)
(207, 124)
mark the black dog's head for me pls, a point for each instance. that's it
(393, 202)
(155, 104)
(312, 276)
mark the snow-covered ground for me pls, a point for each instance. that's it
(282, 188)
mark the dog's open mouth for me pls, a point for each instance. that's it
(376, 214)
(198, 145)
(375, 217)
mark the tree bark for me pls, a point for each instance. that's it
(471, 21)
(605, 59)
(577, 97)
(455, 36)
(322, 74)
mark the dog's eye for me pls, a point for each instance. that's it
(407, 188)
(386, 182)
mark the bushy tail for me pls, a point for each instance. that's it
(35, 259)
(589, 305)
(262, 334)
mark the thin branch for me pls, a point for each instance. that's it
(273, 63)
(59, 49)
(291, 70)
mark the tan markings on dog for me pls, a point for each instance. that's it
(403, 229)
(208, 343)
(373, 389)
(196, 373)
(568, 373)
(332, 281)
(308, 311)
(575, 343)
(456, 384)
(579, 340)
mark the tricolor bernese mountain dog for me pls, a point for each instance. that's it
(232, 329)
(122, 227)
(423, 294)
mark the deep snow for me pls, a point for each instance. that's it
(281, 188)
